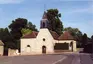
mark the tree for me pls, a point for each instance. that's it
(31, 26)
(92, 43)
(84, 39)
(73, 31)
(76, 33)
(16, 27)
(55, 23)
(25, 31)
(18, 24)
(92, 38)
(7, 39)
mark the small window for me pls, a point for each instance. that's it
(43, 39)
(28, 45)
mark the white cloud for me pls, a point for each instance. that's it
(10, 1)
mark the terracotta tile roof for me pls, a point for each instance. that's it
(66, 36)
(31, 35)
(54, 35)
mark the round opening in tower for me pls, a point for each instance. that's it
(43, 39)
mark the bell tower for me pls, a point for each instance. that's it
(44, 22)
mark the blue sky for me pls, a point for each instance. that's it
(77, 14)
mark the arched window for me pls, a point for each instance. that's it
(28, 48)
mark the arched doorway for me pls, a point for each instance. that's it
(43, 49)
(28, 48)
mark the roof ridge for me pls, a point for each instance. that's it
(54, 34)
(33, 34)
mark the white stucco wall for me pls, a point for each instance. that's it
(49, 41)
(37, 43)
(74, 46)
(25, 42)
(1, 50)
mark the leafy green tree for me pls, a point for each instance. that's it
(55, 23)
(25, 31)
(74, 32)
(16, 27)
(15, 30)
(18, 24)
(7, 39)
(31, 26)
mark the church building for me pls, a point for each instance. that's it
(46, 41)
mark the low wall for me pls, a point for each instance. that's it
(12, 52)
